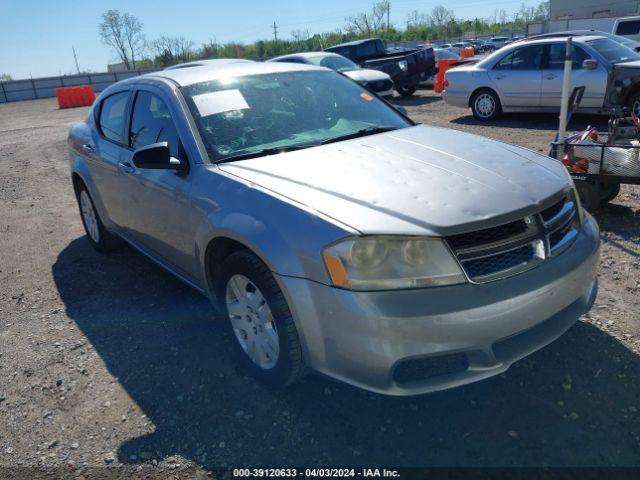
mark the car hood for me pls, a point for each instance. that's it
(367, 75)
(632, 64)
(419, 180)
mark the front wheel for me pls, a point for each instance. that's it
(485, 105)
(407, 91)
(265, 334)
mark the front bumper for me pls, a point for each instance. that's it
(361, 337)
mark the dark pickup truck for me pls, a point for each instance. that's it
(407, 68)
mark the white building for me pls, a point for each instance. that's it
(574, 9)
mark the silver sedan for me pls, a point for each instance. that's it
(331, 232)
(527, 76)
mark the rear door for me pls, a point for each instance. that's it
(517, 76)
(594, 81)
(110, 146)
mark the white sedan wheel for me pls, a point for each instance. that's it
(485, 105)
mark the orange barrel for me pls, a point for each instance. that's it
(467, 52)
(443, 65)
(69, 97)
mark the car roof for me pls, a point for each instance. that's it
(304, 55)
(533, 41)
(353, 43)
(208, 70)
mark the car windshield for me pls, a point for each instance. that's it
(612, 51)
(334, 62)
(255, 113)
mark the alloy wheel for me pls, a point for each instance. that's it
(485, 105)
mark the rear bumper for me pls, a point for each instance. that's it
(361, 337)
(456, 98)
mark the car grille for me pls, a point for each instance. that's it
(505, 250)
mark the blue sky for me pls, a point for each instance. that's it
(36, 35)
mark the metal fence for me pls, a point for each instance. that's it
(31, 89)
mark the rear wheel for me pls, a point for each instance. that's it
(407, 91)
(485, 105)
(267, 341)
(633, 104)
(100, 238)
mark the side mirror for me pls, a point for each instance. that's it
(590, 64)
(157, 156)
(401, 109)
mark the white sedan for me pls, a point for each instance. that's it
(527, 76)
(375, 81)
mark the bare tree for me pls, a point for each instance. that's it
(371, 22)
(123, 32)
(169, 50)
(441, 16)
(5, 77)
(415, 18)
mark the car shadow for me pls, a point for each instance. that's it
(415, 100)
(536, 121)
(573, 403)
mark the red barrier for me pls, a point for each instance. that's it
(71, 97)
(443, 65)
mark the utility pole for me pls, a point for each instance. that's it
(75, 58)
(388, 12)
(275, 31)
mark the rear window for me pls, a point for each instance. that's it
(628, 28)
(367, 49)
(112, 116)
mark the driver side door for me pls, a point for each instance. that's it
(160, 218)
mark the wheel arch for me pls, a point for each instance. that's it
(479, 89)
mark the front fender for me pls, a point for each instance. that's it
(287, 237)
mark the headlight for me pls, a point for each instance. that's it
(391, 262)
(404, 66)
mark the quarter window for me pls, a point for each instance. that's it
(525, 58)
(151, 123)
(112, 114)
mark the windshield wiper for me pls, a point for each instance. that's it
(359, 133)
(264, 152)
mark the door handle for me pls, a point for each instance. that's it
(126, 167)
(550, 76)
(499, 77)
(88, 148)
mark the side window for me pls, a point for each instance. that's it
(344, 51)
(112, 116)
(628, 28)
(556, 57)
(151, 122)
(525, 58)
(367, 49)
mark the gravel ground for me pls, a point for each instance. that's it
(108, 361)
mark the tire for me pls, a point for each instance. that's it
(254, 328)
(100, 238)
(485, 105)
(590, 198)
(609, 192)
(633, 103)
(407, 91)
